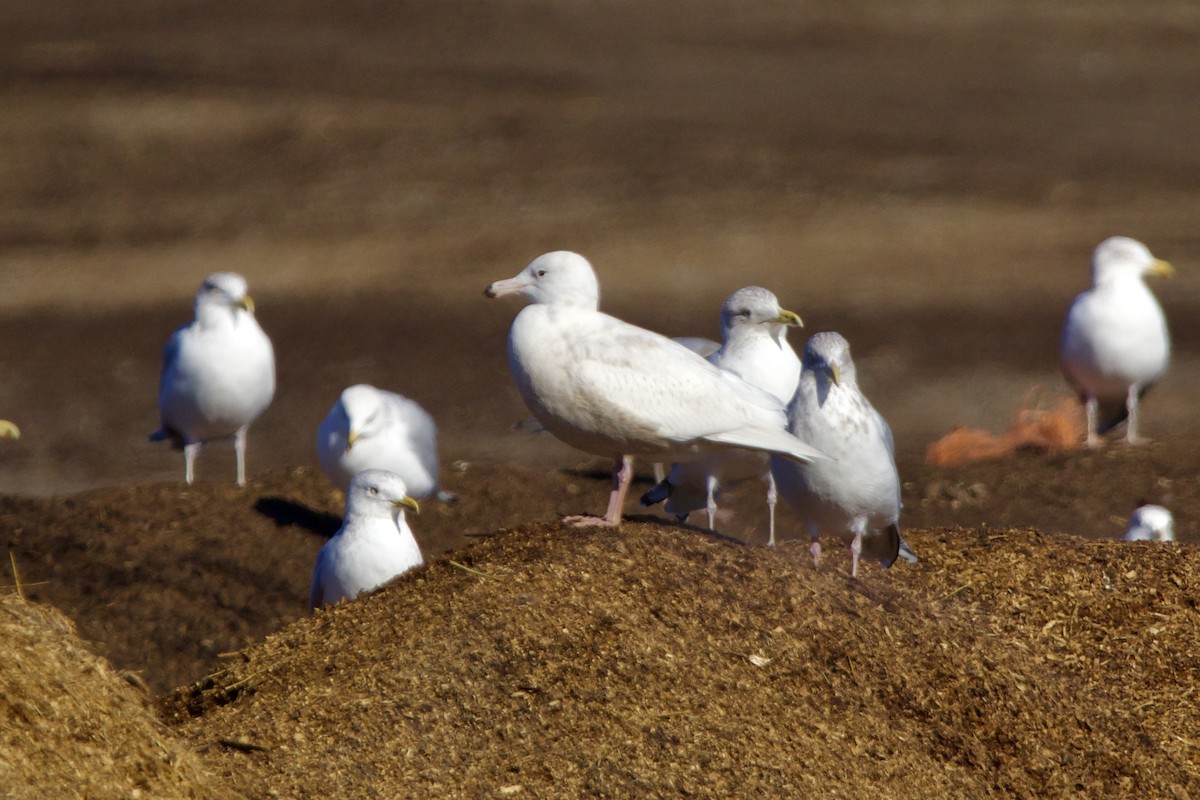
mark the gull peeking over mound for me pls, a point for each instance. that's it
(613, 389)
(856, 491)
(218, 373)
(755, 348)
(1115, 344)
(1150, 523)
(374, 543)
(370, 428)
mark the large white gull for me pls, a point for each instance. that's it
(1115, 344)
(370, 428)
(754, 347)
(374, 543)
(611, 388)
(218, 373)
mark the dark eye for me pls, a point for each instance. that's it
(372, 490)
(541, 273)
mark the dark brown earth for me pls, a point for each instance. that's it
(927, 179)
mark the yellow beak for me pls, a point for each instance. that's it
(409, 503)
(8, 430)
(247, 303)
(788, 318)
(1162, 269)
(351, 439)
(836, 373)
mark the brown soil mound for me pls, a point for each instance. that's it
(70, 726)
(656, 661)
(166, 578)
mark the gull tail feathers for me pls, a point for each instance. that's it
(779, 442)
(887, 546)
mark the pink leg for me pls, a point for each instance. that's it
(1093, 409)
(622, 476)
(855, 552)
(772, 498)
(1131, 406)
(814, 549)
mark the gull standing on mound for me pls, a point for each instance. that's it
(1151, 523)
(1115, 344)
(370, 428)
(374, 543)
(613, 389)
(856, 491)
(218, 373)
(755, 348)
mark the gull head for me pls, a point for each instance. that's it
(363, 408)
(754, 305)
(557, 278)
(827, 355)
(224, 290)
(378, 493)
(1120, 257)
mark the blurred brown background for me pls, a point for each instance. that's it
(928, 178)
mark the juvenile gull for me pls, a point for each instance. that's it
(610, 388)
(374, 543)
(369, 428)
(755, 348)
(218, 373)
(1151, 523)
(856, 491)
(1115, 344)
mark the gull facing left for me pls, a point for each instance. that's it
(218, 373)
(374, 543)
(610, 388)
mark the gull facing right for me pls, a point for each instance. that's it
(1115, 344)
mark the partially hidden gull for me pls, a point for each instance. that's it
(374, 543)
(755, 348)
(1115, 344)
(610, 388)
(1150, 523)
(9, 430)
(218, 373)
(855, 493)
(370, 428)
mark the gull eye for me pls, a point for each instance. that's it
(372, 490)
(541, 273)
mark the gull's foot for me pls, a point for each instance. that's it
(584, 521)
(814, 550)
(1137, 440)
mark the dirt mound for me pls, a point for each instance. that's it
(166, 578)
(70, 726)
(655, 660)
